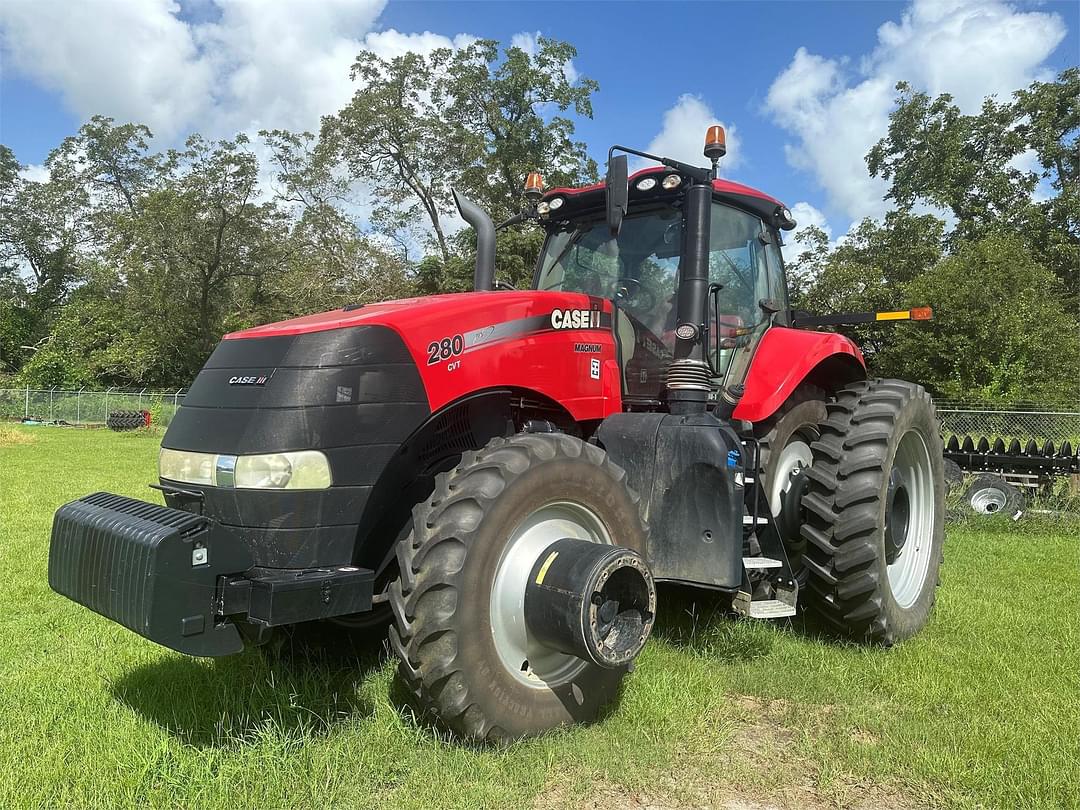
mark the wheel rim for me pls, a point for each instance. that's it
(909, 519)
(530, 662)
(786, 486)
(988, 501)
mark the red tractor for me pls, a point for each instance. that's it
(503, 476)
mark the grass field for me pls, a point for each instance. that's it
(982, 709)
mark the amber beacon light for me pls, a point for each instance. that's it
(534, 185)
(715, 142)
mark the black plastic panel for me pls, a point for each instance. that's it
(305, 387)
(353, 393)
(268, 430)
(679, 465)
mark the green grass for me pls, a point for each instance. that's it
(982, 709)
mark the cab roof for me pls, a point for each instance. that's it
(584, 198)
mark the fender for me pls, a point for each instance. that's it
(784, 358)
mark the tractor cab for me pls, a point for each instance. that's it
(638, 270)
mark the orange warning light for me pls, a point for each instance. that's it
(715, 142)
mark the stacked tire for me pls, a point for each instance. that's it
(125, 420)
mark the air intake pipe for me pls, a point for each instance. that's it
(688, 380)
(484, 275)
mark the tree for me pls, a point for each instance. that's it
(869, 271)
(510, 109)
(972, 165)
(419, 124)
(1001, 331)
(394, 136)
(42, 228)
(201, 243)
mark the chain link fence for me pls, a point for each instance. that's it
(86, 407)
(1056, 423)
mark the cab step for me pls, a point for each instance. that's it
(758, 563)
(770, 609)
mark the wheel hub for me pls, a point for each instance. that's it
(897, 515)
(988, 501)
(787, 486)
(526, 657)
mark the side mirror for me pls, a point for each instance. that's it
(618, 192)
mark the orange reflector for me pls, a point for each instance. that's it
(534, 183)
(922, 314)
(901, 315)
(715, 142)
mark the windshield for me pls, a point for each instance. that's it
(639, 268)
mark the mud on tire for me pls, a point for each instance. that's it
(443, 637)
(854, 518)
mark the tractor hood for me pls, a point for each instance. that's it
(407, 314)
(467, 342)
(357, 384)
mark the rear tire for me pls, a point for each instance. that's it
(785, 441)
(452, 645)
(875, 511)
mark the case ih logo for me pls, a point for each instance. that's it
(259, 380)
(575, 319)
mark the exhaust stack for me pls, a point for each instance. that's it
(484, 275)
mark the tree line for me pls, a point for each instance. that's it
(126, 264)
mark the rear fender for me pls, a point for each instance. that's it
(785, 358)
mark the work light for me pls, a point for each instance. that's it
(671, 181)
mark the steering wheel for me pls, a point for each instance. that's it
(627, 289)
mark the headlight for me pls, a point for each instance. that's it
(671, 181)
(191, 468)
(301, 469)
(306, 469)
(555, 203)
(646, 184)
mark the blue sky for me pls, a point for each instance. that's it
(804, 87)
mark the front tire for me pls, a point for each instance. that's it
(465, 652)
(875, 511)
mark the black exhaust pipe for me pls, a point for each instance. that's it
(484, 275)
(595, 601)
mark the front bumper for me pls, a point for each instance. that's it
(181, 580)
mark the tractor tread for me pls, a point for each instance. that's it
(844, 508)
(431, 561)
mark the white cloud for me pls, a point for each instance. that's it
(969, 48)
(245, 65)
(682, 134)
(134, 60)
(391, 43)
